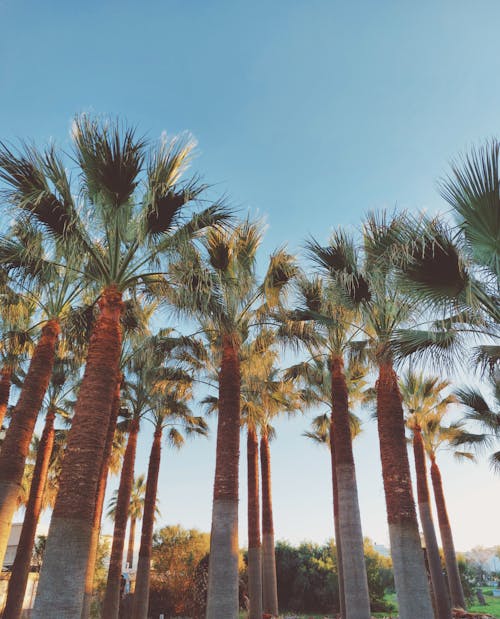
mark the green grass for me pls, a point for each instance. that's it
(492, 605)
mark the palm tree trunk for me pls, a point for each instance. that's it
(99, 504)
(62, 578)
(336, 525)
(441, 597)
(131, 539)
(20, 431)
(222, 596)
(5, 383)
(22, 562)
(141, 594)
(254, 543)
(357, 598)
(450, 557)
(111, 605)
(410, 576)
(269, 582)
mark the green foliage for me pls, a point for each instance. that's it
(308, 577)
(380, 577)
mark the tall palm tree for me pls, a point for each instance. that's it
(423, 398)
(135, 324)
(316, 378)
(257, 362)
(53, 290)
(169, 412)
(219, 288)
(436, 437)
(59, 388)
(339, 330)
(136, 510)
(16, 344)
(369, 286)
(276, 397)
(137, 205)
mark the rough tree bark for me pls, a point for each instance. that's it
(18, 437)
(62, 578)
(222, 597)
(410, 576)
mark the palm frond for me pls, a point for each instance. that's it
(473, 190)
(111, 158)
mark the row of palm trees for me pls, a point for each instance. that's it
(90, 264)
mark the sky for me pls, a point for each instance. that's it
(309, 114)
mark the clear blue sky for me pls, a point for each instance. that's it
(310, 113)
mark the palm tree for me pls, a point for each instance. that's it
(436, 437)
(120, 250)
(136, 510)
(316, 378)
(169, 411)
(337, 324)
(423, 398)
(219, 288)
(276, 397)
(134, 321)
(53, 290)
(369, 286)
(59, 388)
(16, 341)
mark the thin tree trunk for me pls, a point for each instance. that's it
(410, 576)
(450, 557)
(269, 582)
(111, 605)
(5, 383)
(62, 578)
(99, 505)
(222, 596)
(441, 598)
(131, 539)
(20, 431)
(357, 597)
(22, 562)
(141, 594)
(336, 525)
(254, 543)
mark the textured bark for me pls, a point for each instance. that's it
(336, 525)
(450, 557)
(141, 594)
(18, 437)
(410, 576)
(254, 543)
(111, 605)
(441, 598)
(99, 504)
(357, 598)
(131, 540)
(269, 582)
(5, 383)
(62, 578)
(22, 562)
(222, 599)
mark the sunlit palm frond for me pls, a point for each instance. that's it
(473, 190)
